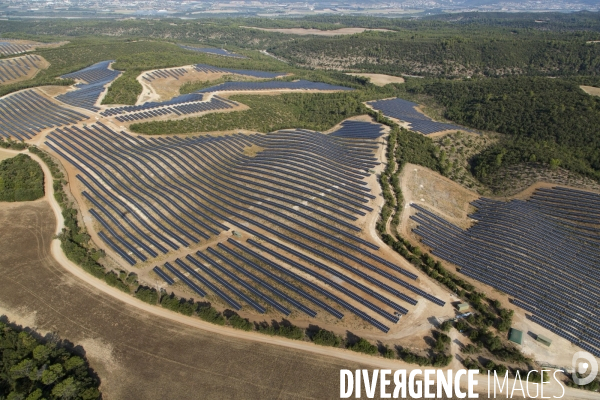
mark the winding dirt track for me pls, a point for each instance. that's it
(144, 351)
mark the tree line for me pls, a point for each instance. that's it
(21, 179)
(35, 368)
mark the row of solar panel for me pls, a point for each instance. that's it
(164, 73)
(14, 68)
(108, 144)
(26, 113)
(272, 85)
(74, 141)
(210, 50)
(516, 248)
(87, 94)
(214, 104)
(7, 48)
(247, 72)
(406, 111)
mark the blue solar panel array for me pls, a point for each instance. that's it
(165, 73)
(26, 113)
(544, 252)
(248, 72)
(14, 68)
(212, 50)
(405, 111)
(7, 48)
(181, 105)
(299, 195)
(272, 85)
(85, 95)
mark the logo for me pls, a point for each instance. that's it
(580, 367)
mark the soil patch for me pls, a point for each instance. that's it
(594, 91)
(379, 79)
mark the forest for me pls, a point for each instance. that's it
(34, 368)
(545, 120)
(21, 179)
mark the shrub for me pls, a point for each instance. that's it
(146, 294)
(363, 346)
(327, 338)
(240, 323)
(210, 314)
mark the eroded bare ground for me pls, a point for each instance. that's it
(138, 355)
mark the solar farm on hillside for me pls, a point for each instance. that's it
(543, 252)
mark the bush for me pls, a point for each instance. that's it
(32, 369)
(240, 323)
(146, 294)
(174, 303)
(470, 364)
(327, 338)
(21, 179)
(286, 330)
(442, 360)
(446, 326)
(388, 353)
(210, 314)
(363, 346)
(415, 359)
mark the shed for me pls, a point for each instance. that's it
(544, 340)
(516, 336)
(463, 307)
(237, 234)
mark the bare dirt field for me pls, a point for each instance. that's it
(318, 32)
(379, 79)
(4, 154)
(594, 91)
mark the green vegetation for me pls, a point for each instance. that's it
(210, 314)
(551, 121)
(324, 337)
(284, 329)
(363, 346)
(593, 386)
(21, 179)
(146, 294)
(239, 323)
(12, 144)
(182, 306)
(267, 113)
(74, 241)
(32, 368)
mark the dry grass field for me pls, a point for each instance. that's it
(591, 90)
